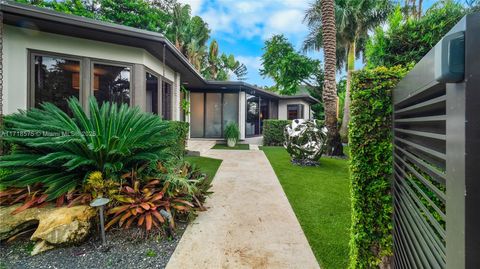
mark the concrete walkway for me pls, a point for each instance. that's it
(249, 223)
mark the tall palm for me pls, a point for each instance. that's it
(321, 18)
(354, 18)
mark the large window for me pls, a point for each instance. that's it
(152, 93)
(211, 112)
(213, 115)
(167, 101)
(295, 111)
(252, 126)
(55, 80)
(111, 83)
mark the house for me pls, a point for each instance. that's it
(49, 56)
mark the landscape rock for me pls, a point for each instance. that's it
(56, 226)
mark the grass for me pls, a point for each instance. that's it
(320, 197)
(207, 165)
(237, 146)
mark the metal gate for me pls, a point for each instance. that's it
(436, 184)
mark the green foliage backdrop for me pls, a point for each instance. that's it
(408, 40)
(273, 132)
(370, 139)
(177, 144)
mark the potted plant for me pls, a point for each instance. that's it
(232, 134)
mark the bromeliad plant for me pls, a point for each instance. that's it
(154, 197)
(59, 151)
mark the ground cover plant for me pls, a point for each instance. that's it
(320, 198)
(209, 166)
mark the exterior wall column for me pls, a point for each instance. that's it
(241, 113)
(139, 88)
(1, 69)
(176, 97)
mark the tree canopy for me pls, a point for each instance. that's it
(287, 67)
(408, 39)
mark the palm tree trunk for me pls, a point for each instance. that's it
(334, 144)
(346, 108)
(419, 13)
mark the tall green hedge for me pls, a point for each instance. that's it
(371, 164)
(273, 132)
(180, 130)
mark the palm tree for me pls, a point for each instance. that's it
(354, 18)
(320, 17)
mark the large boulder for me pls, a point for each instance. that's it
(56, 226)
(305, 141)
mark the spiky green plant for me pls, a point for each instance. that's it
(59, 150)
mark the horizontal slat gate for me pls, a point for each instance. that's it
(436, 182)
(419, 179)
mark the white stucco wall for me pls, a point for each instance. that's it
(282, 108)
(17, 42)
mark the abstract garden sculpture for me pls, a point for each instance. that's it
(305, 141)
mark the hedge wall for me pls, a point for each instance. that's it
(180, 130)
(273, 132)
(370, 136)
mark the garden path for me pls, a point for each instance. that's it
(249, 222)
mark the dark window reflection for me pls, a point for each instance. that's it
(152, 94)
(264, 111)
(252, 121)
(111, 83)
(295, 112)
(56, 79)
(167, 101)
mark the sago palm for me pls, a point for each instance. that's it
(58, 150)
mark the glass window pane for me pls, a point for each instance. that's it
(111, 83)
(56, 79)
(196, 115)
(293, 112)
(152, 93)
(230, 108)
(213, 116)
(252, 126)
(264, 111)
(167, 101)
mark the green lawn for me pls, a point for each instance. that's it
(207, 165)
(237, 146)
(320, 197)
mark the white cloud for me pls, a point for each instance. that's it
(194, 4)
(256, 18)
(251, 62)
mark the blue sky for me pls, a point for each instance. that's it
(241, 27)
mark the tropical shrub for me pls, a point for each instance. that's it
(371, 165)
(408, 40)
(273, 132)
(178, 141)
(59, 151)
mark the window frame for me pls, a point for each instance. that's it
(94, 61)
(159, 88)
(31, 73)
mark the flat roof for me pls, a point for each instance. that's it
(47, 20)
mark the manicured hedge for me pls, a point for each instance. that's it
(177, 146)
(371, 169)
(273, 132)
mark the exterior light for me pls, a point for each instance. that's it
(100, 202)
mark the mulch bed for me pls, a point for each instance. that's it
(124, 249)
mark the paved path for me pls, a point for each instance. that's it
(249, 223)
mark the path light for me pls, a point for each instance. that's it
(100, 202)
(167, 215)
